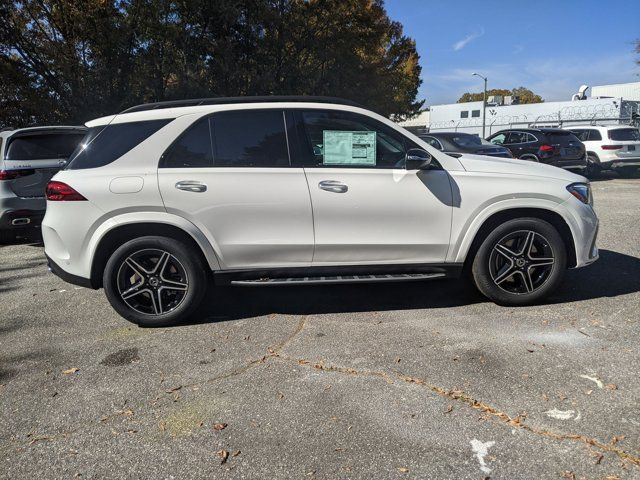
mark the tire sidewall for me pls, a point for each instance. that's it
(482, 276)
(191, 263)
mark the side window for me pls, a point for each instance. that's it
(531, 138)
(516, 137)
(249, 138)
(475, 113)
(111, 142)
(464, 114)
(433, 142)
(499, 139)
(336, 138)
(594, 135)
(583, 135)
(192, 149)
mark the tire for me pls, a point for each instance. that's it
(530, 158)
(593, 165)
(7, 236)
(520, 262)
(155, 281)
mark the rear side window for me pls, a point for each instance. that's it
(625, 134)
(246, 138)
(582, 135)
(192, 149)
(103, 145)
(467, 141)
(249, 138)
(43, 146)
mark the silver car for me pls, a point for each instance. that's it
(29, 157)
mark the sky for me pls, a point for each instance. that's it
(550, 47)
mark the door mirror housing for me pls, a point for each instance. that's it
(417, 159)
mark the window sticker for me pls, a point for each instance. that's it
(349, 148)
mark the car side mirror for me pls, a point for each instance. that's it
(417, 159)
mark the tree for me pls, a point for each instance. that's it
(71, 60)
(525, 95)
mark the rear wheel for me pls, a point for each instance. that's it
(530, 158)
(593, 165)
(520, 262)
(154, 281)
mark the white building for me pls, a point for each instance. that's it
(628, 91)
(467, 117)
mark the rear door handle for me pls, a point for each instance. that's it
(333, 186)
(191, 186)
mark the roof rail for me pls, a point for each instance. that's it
(231, 100)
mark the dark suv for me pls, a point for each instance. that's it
(552, 146)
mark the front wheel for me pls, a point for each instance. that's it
(154, 281)
(520, 262)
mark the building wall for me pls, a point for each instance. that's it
(549, 114)
(628, 91)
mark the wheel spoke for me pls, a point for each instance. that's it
(505, 252)
(528, 243)
(526, 280)
(133, 291)
(502, 276)
(538, 262)
(156, 301)
(136, 267)
(162, 264)
(173, 285)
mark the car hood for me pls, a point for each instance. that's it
(485, 164)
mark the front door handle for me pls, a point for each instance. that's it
(191, 186)
(333, 186)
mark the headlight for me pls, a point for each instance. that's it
(582, 191)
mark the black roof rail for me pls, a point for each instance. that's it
(231, 100)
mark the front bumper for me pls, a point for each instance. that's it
(584, 225)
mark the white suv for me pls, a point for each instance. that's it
(613, 147)
(263, 191)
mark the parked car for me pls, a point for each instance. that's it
(455, 142)
(612, 147)
(552, 146)
(261, 191)
(29, 157)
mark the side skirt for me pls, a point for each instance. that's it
(336, 274)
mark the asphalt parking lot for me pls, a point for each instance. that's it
(416, 380)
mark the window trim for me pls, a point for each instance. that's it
(208, 117)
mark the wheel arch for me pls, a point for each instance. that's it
(121, 233)
(499, 217)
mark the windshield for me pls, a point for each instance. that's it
(42, 147)
(467, 141)
(624, 134)
(560, 137)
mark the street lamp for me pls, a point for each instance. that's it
(484, 101)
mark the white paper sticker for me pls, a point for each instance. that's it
(349, 148)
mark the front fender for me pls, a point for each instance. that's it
(468, 231)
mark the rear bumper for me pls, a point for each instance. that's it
(16, 212)
(66, 276)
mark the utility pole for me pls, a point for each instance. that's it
(484, 102)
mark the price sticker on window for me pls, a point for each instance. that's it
(349, 148)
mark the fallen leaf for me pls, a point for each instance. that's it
(403, 470)
(224, 455)
(174, 389)
(219, 426)
(449, 409)
(70, 370)
(236, 453)
(612, 386)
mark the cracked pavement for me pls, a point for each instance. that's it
(415, 380)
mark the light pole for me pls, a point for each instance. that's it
(484, 101)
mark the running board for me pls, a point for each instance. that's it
(401, 277)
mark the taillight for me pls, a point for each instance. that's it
(13, 174)
(612, 147)
(61, 192)
(546, 148)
